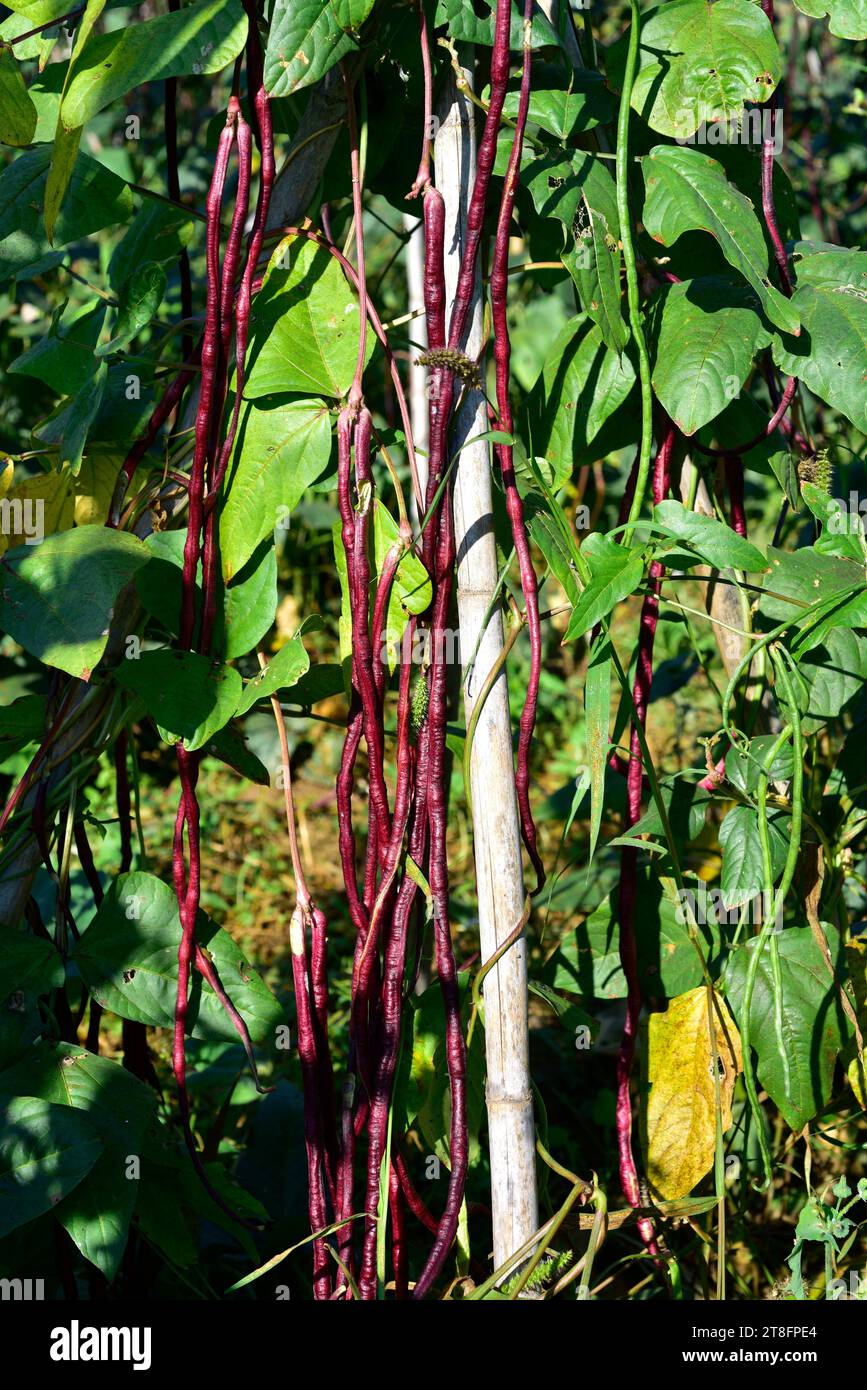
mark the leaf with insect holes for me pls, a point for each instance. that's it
(121, 1110)
(579, 191)
(813, 1023)
(306, 38)
(57, 598)
(188, 697)
(846, 18)
(305, 325)
(45, 1152)
(688, 191)
(17, 112)
(715, 542)
(128, 958)
(200, 38)
(284, 669)
(708, 333)
(616, 572)
(283, 446)
(803, 577)
(698, 62)
(681, 1108)
(830, 356)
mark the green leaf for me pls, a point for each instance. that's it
(200, 38)
(710, 330)
(699, 62)
(128, 958)
(188, 696)
(812, 1029)
(715, 542)
(742, 873)
(411, 588)
(67, 134)
(140, 298)
(807, 576)
(250, 602)
(467, 26)
(44, 1153)
(580, 192)
(283, 446)
(305, 325)
(616, 573)
(28, 964)
(846, 18)
(96, 198)
(688, 191)
(230, 746)
(82, 411)
(17, 112)
(306, 39)
(567, 112)
(63, 357)
(281, 673)
(121, 1110)
(57, 599)
(582, 383)
(158, 233)
(829, 356)
(587, 961)
(745, 773)
(834, 673)
(842, 526)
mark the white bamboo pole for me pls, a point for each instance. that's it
(496, 835)
(417, 331)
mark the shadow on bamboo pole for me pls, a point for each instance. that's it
(496, 834)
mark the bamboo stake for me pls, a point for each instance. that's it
(497, 841)
(417, 330)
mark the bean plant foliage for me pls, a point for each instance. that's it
(247, 302)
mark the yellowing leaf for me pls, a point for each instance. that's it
(94, 487)
(35, 508)
(681, 1111)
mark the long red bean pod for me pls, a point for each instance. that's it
(628, 869)
(399, 1252)
(210, 362)
(503, 452)
(392, 988)
(444, 953)
(317, 1210)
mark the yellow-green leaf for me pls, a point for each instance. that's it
(681, 1110)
